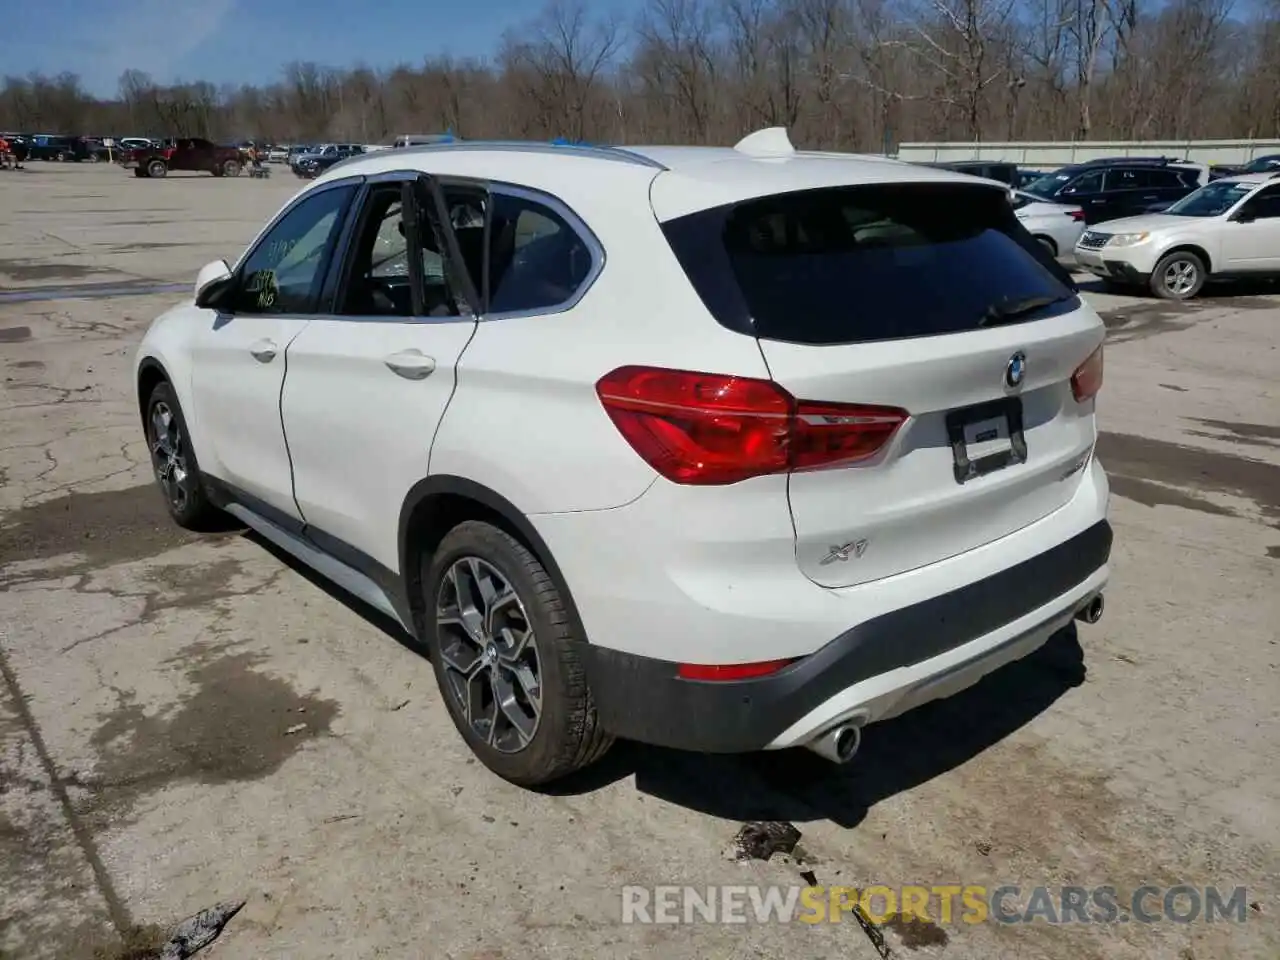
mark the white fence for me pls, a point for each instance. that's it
(1049, 154)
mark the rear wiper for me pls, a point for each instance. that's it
(1007, 311)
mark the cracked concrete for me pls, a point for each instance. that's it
(151, 679)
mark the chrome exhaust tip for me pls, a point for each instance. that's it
(839, 743)
(1091, 612)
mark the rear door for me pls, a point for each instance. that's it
(370, 380)
(877, 296)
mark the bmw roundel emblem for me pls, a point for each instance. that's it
(1015, 370)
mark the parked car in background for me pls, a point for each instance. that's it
(1227, 229)
(1055, 225)
(421, 139)
(1263, 164)
(186, 153)
(311, 165)
(299, 150)
(1108, 189)
(277, 154)
(66, 149)
(753, 485)
(19, 146)
(990, 169)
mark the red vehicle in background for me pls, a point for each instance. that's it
(187, 153)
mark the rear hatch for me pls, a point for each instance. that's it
(927, 299)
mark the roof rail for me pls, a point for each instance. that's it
(1106, 161)
(560, 145)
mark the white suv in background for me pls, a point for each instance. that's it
(719, 449)
(1229, 228)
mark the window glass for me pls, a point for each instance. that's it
(860, 264)
(1088, 183)
(1170, 179)
(1128, 179)
(467, 207)
(1265, 204)
(536, 260)
(284, 270)
(378, 283)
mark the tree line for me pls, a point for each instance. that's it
(840, 74)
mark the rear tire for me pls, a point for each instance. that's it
(499, 633)
(1048, 245)
(1178, 276)
(173, 460)
(157, 169)
(231, 168)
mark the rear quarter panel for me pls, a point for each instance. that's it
(525, 419)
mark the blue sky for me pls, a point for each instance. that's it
(248, 40)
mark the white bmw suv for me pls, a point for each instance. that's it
(719, 449)
(1229, 228)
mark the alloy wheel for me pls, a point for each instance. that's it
(487, 647)
(168, 455)
(1180, 277)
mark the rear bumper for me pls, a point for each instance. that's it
(875, 670)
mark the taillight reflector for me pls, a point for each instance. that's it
(1076, 215)
(730, 671)
(705, 428)
(1087, 380)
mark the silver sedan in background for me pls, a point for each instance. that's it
(1057, 225)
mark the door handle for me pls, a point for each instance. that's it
(1152, 197)
(1095, 202)
(264, 351)
(411, 364)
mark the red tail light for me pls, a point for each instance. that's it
(705, 428)
(1087, 380)
(730, 671)
(1076, 215)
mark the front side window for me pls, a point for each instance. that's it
(1265, 204)
(285, 269)
(1087, 183)
(537, 261)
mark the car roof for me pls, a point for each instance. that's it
(1252, 179)
(678, 179)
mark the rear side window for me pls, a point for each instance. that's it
(537, 261)
(861, 264)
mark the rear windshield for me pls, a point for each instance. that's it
(867, 263)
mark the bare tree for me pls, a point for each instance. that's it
(677, 62)
(843, 74)
(562, 63)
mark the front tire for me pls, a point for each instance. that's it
(173, 461)
(505, 654)
(231, 169)
(1178, 276)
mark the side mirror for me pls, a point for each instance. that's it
(211, 282)
(1244, 216)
